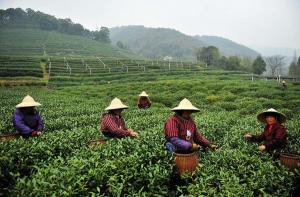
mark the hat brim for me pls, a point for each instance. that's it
(262, 116)
(185, 109)
(113, 108)
(31, 104)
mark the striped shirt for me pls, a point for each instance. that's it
(113, 125)
(184, 129)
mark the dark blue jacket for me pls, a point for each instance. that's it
(25, 124)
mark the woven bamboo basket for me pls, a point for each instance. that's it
(9, 137)
(186, 163)
(97, 142)
(290, 161)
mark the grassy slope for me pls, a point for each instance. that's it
(32, 42)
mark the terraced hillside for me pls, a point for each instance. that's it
(36, 42)
(55, 70)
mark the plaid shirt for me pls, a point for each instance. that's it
(177, 126)
(275, 137)
(113, 125)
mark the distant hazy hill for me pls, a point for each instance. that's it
(227, 47)
(24, 41)
(155, 42)
(160, 42)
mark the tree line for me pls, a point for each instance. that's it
(35, 19)
(273, 65)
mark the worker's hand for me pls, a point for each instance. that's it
(195, 147)
(262, 147)
(36, 133)
(248, 136)
(213, 147)
(133, 134)
(130, 130)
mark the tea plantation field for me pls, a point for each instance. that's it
(61, 163)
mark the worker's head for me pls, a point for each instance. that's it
(116, 106)
(117, 111)
(144, 100)
(27, 110)
(271, 119)
(271, 116)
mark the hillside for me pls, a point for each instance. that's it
(160, 42)
(33, 42)
(227, 47)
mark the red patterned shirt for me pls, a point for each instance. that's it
(185, 129)
(113, 125)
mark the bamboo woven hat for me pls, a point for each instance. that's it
(116, 104)
(28, 101)
(144, 94)
(262, 116)
(185, 104)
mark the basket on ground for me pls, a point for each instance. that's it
(290, 161)
(186, 163)
(8, 137)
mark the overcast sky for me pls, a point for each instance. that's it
(272, 23)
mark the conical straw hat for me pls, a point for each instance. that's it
(116, 104)
(28, 101)
(185, 104)
(262, 116)
(144, 94)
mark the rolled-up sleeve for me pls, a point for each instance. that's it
(201, 140)
(259, 138)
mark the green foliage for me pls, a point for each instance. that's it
(102, 35)
(34, 42)
(259, 65)
(156, 43)
(234, 63)
(161, 42)
(227, 47)
(209, 55)
(36, 19)
(121, 45)
(61, 163)
(294, 69)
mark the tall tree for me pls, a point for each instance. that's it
(234, 63)
(294, 69)
(259, 65)
(102, 35)
(275, 64)
(223, 62)
(209, 55)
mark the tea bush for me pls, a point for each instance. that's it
(62, 163)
